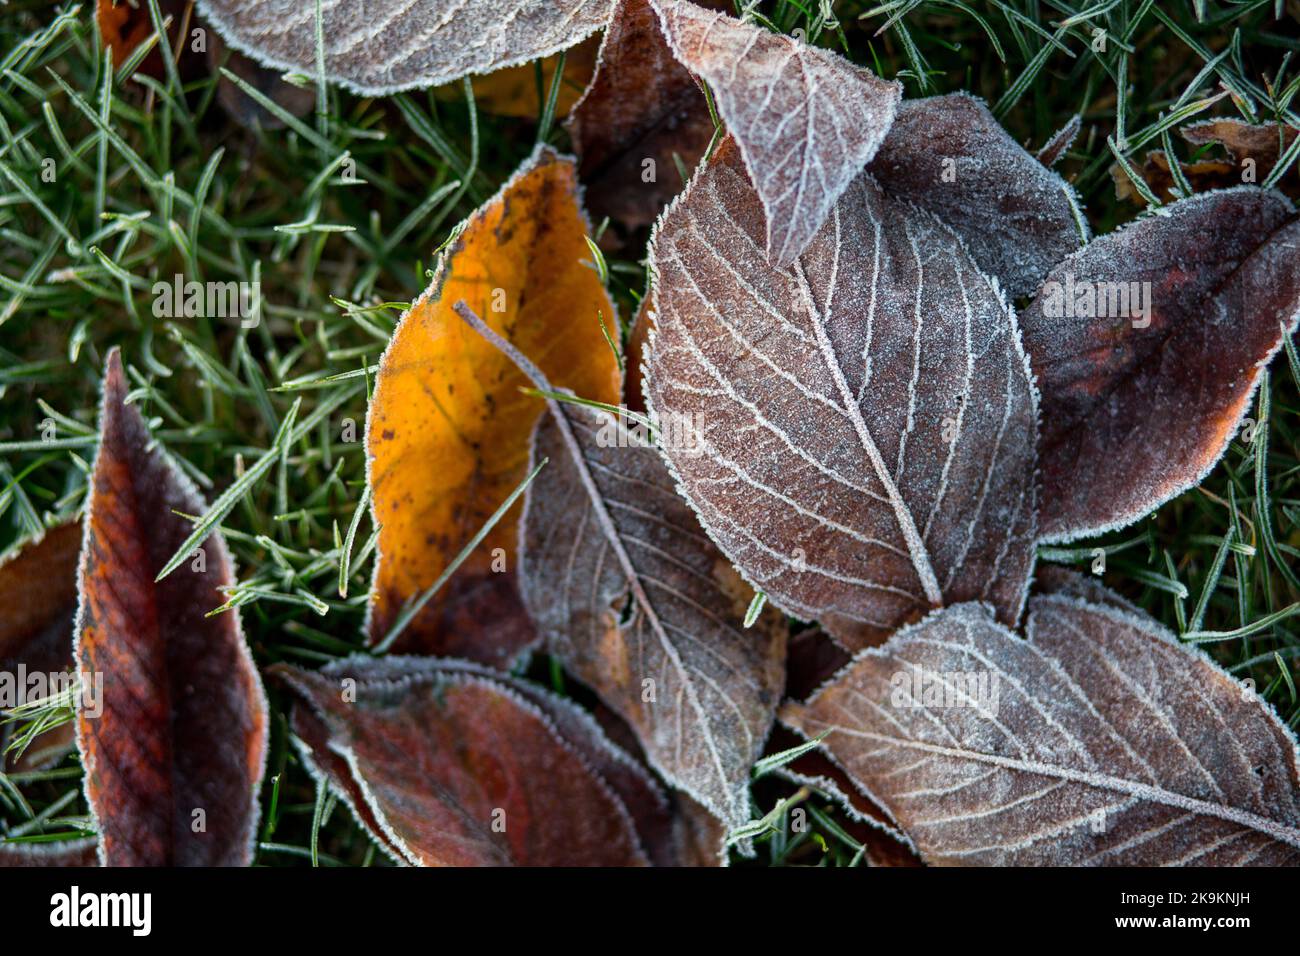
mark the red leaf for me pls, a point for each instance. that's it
(447, 763)
(642, 107)
(174, 761)
(1136, 408)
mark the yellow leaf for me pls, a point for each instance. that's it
(449, 429)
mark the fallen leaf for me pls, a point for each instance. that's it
(1100, 740)
(642, 114)
(123, 26)
(1252, 146)
(174, 756)
(38, 605)
(451, 764)
(669, 652)
(1138, 405)
(628, 592)
(822, 399)
(1155, 171)
(806, 119)
(448, 431)
(397, 45)
(1017, 218)
(1253, 150)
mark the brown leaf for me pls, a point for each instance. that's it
(1098, 741)
(181, 737)
(1155, 172)
(451, 764)
(949, 155)
(643, 107)
(448, 429)
(38, 604)
(713, 686)
(823, 397)
(1054, 580)
(398, 45)
(1253, 150)
(1138, 406)
(806, 119)
(1254, 146)
(631, 595)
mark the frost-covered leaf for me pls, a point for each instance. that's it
(1156, 171)
(451, 764)
(1147, 345)
(176, 735)
(669, 652)
(628, 591)
(448, 428)
(949, 155)
(38, 605)
(1100, 740)
(1254, 147)
(863, 424)
(807, 120)
(392, 45)
(642, 114)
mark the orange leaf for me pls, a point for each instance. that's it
(123, 28)
(175, 745)
(449, 429)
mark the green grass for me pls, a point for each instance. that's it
(153, 179)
